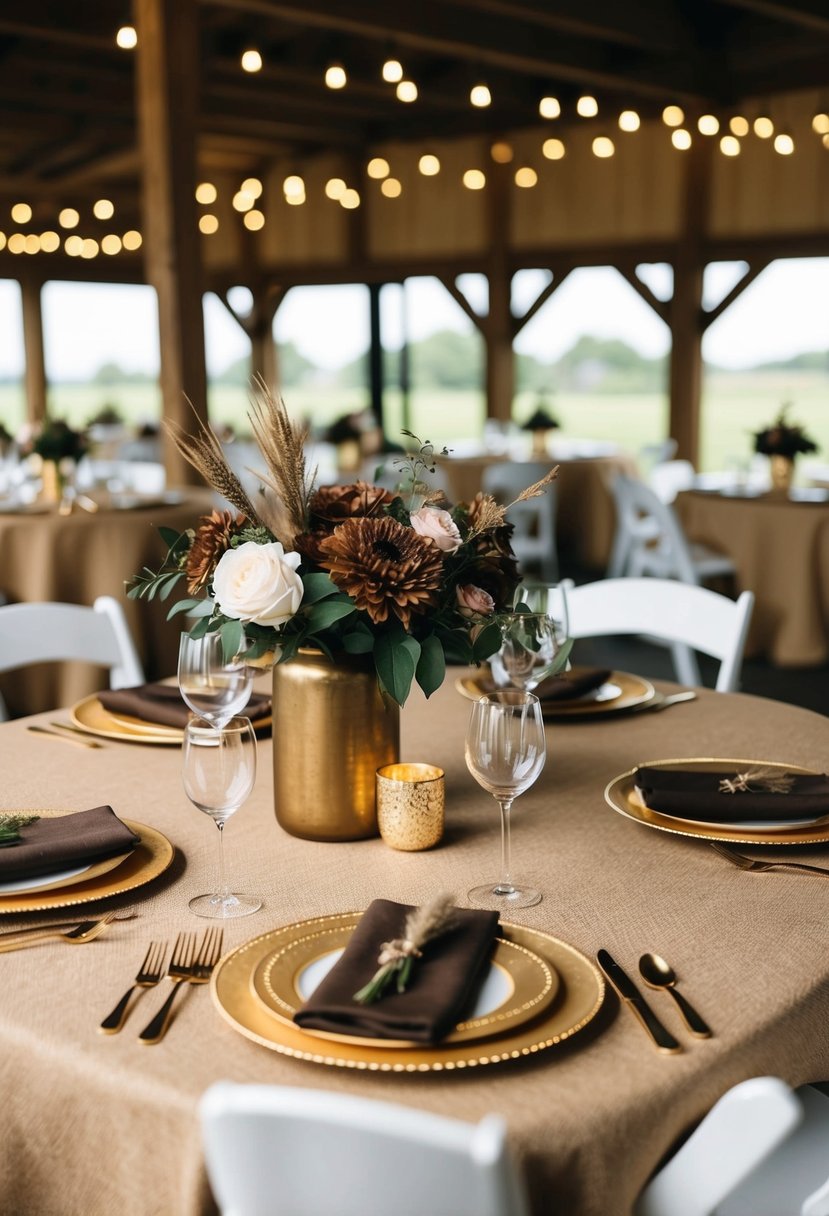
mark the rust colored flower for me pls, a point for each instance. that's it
(332, 505)
(384, 567)
(212, 539)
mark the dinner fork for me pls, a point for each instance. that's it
(188, 965)
(149, 974)
(749, 863)
(87, 931)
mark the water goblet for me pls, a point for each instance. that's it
(505, 751)
(219, 771)
(550, 599)
(214, 687)
(530, 650)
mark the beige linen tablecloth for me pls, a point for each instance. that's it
(75, 558)
(781, 551)
(94, 1125)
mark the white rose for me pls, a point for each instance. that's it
(438, 526)
(258, 583)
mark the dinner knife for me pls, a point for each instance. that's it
(636, 1003)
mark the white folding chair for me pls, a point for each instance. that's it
(681, 615)
(278, 1151)
(669, 477)
(534, 521)
(762, 1150)
(47, 632)
(649, 539)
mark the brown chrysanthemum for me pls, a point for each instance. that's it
(213, 537)
(384, 567)
(331, 506)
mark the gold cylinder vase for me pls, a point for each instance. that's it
(782, 473)
(332, 730)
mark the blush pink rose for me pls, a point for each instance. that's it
(474, 602)
(437, 525)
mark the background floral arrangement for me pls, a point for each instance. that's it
(56, 440)
(783, 438)
(347, 568)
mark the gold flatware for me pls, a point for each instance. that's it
(190, 965)
(75, 730)
(663, 700)
(87, 931)
(749, 863)
(56, 927)
(53, 734)
(658, 974)
(148, 975)
(632, 998)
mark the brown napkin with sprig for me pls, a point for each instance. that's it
(758, 794)
(49, 845)
(162, 704)
(572, 684)
(440, 989)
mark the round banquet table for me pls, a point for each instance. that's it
(780, 547)
(588, 1119)
(74, 558)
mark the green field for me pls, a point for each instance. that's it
(734, 405)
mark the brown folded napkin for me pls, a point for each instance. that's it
(50, 845)
(162, 704)
(441, 987)
(697, 795)
(571, 684)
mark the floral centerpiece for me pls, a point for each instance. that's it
(783, 438)
(402, 578)
(56, 441)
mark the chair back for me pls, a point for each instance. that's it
(272, 1150)
(649, 537)
(47, 632)
(534, 521)
(680, 614)
(668, 478)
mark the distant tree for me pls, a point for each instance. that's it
(294, 368)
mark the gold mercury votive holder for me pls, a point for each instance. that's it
(410, 805)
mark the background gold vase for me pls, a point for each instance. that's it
(781, 469)
(332, 730)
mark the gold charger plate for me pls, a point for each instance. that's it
(94, 870)
(150, 857)
(633, 691)
(579, 999)
(91, 716)
(532, 985)
(620, 794)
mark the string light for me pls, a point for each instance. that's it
(378, 168)
(553, 149)
(681, 139)
(132, 239)
(391, 187)
(251, 61)
(69, 218)
(295, 200)
(708, 124)
(730, 145)
(127, 38)
(254, 220)
(17, 243)
(293, 186)
(251, 186)
(673, 116)
(549, 107)
(21, 213)
(587, 107)
(526, 177)
(89, 248)
(103, 209)
(335, 76)
(824, 139)
(406, 91)
(738, 125)
(32, 243)
(429, 165)
(50, 242)
(820, 124)
(242, 201)
(392, 71)
(603, 147)
(474, 179)
(111, 244)
(206, 193)
(784, 144)
(335, 188)
(208, 224)
(629, 121)
(350, 199)
(501, 152)
(763, 127)
(72, 245)
(2, 240)
(480, 96)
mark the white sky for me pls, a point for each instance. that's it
(785, 311)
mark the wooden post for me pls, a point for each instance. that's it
(498, 326)
(167, 83)
(375, 353)
(35, 371)
(264, 359)
(685, 309)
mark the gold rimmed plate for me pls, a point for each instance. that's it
(519, 985)
(622, 796)
(150, 857)
(91, 716)
(620, 692)
(61, 879)
(579, 998)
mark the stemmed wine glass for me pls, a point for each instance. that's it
(214, 687)
(529, 650)
(505, 752)
(219, 770)
(547, 598)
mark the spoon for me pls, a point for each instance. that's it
(658, 974)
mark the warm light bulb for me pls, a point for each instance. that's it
(708, 124)
(72, 246)
(89, 248)
(335, 188)
(103, 209)
(17, 242)
(206, 192)
(480, 96)
(21, 213)
(251, 186)
(127, 38)
(293, 186)
(254, 220)
(69, 218)
(50, 242)
(763, 127)
(549, 107)
(603, 147)
(378, 167)
(2, 240)
(526, 177)
(629, 121)
(587, 107)
(673, 116)
(784, 144)
(820, 124)
(242, 201)
(501, 152)
(350, 199)
(406, 91)
(295, 200)
(392, 71)
(391, 187)
(474, 179)
(208, 224)
(132, 239)
(429, 165)
(553, 149)
(32, 244)
(335, 77)
(730, 145)
(681, 139)
(738, 125)
(111, 244)
(251, 61)
(824, 139)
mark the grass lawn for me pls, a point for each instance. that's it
(734, 404)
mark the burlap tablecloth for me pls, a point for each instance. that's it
(781, 551)
(94, 1125)
(75, 558)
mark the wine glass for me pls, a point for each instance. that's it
(529, 650)
(218, 771)
(549, 598)
(214, 687)
(505, 751)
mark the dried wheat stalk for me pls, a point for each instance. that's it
(204, 452)
(282, 444)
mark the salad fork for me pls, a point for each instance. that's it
(188, 965)
(87, 931)
(149, 974)
(750, 863)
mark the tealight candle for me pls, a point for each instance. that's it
(410, 805)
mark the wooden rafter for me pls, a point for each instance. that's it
(660, 307)
(540, 300)
(710, 314)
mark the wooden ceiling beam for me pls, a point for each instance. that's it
(638, 23)
(63, 35)
(810, 14)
